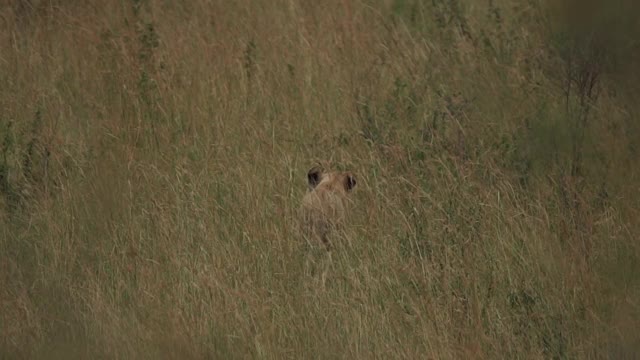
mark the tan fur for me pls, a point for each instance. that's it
(325, 205)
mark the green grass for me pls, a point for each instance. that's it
(153, 158)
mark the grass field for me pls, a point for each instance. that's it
(153, 157)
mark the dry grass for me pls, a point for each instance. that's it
(153, 157)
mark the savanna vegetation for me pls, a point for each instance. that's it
(153, 157)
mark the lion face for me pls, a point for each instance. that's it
(324, 206)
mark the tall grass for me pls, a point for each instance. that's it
(153, 157)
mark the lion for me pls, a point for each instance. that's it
(325, 204)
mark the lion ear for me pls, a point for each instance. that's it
(314, 176)
(350, 182)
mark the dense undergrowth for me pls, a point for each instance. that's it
(153, 156)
